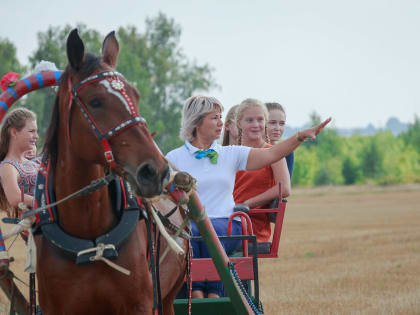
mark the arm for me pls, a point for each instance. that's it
(9, 180)
(281, 175)
(259, 158)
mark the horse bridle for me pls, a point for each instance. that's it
(117, 86)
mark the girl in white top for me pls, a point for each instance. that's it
(215, 166)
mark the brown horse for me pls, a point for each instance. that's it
(93, 98)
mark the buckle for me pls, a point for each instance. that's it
(109, 157)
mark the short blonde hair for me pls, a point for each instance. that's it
(195, 108)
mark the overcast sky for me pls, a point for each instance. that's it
(357, 61)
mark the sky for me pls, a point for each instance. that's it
(356, 61)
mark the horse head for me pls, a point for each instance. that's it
(103, 125)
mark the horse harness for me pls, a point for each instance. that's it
(130, 210)
(114, 85)
(125, 205)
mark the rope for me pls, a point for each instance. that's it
(151, 250)
(24, 224)
(171, 242)
(172, 227)
(243, 290)
(157, 267)
(189, 278)
(21, 281)
(99, 256)
(12, 300)
(177, 233)
(92, 187)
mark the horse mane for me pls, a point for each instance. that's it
(50, 147)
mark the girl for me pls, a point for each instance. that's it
(257, 188)
(230, 134)
(18, 134)
(275, 128)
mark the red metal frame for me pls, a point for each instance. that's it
(203, 268)
(246, 228)
(277, 228)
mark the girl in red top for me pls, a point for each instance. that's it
(259, 187)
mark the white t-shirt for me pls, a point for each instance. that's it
(215, 182)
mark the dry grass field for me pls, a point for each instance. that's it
(352, 250)
(348, 250)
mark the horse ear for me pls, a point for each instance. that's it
(110, 50)
(75, 50)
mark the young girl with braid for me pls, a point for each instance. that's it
(257, 188)
(18, 134)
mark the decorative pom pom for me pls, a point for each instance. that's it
(44, 66)
(9, 80)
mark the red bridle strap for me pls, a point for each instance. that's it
(109, 157)
(69, 108)
(116, 86)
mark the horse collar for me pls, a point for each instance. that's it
(77, 248)
(112, 81)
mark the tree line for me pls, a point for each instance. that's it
(382, 159)
(153, 61)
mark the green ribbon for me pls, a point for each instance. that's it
(210, 153)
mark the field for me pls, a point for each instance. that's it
(348, 250)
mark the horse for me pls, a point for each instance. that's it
(93, 97)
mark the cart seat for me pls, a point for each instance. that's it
(262, 248)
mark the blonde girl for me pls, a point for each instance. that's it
(257, 188)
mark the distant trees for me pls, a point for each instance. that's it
(412, 136)
(152, 60)
(8, 58)
(382, 158)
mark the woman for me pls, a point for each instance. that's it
(18, 134)
(214, 166)
(230, 133)
(275, 128)
(258, 188)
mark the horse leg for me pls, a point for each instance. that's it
(168, 300)
(168, 304)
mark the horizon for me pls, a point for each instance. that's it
(356, 62)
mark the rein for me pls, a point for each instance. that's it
(92, 187)
(112, 80)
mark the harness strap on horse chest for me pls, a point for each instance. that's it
(84, 251)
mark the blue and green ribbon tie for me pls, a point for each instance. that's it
(210, 153)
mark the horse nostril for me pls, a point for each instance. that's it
(146, 174)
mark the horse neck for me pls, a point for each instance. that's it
(85, 217)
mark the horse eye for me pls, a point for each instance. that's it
(95, 103)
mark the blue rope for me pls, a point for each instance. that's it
(243, 290)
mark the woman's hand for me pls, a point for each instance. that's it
(312, 132)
